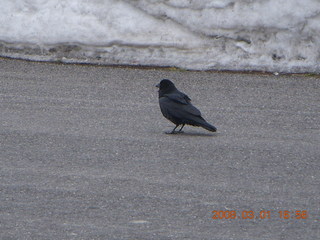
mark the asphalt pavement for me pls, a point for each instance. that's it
(84, 155)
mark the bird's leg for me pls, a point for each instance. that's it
(173, 131)
(181, 128)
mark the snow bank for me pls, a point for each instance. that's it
(265, 35)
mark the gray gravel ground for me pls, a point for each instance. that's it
(83, 155)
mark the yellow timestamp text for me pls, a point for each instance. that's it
(263, 214)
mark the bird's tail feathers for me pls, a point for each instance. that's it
(207, 126)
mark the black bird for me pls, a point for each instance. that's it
(176, 107)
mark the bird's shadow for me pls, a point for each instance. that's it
(192, 134)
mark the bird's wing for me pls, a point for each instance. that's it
(178, 97)
(177, 106)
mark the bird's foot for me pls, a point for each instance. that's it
(174, 132)
(171, 132)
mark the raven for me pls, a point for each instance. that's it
(176, 107)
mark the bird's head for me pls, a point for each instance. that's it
(165, 85)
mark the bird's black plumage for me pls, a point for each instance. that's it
(176, 107)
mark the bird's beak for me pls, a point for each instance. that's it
(158, 85)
